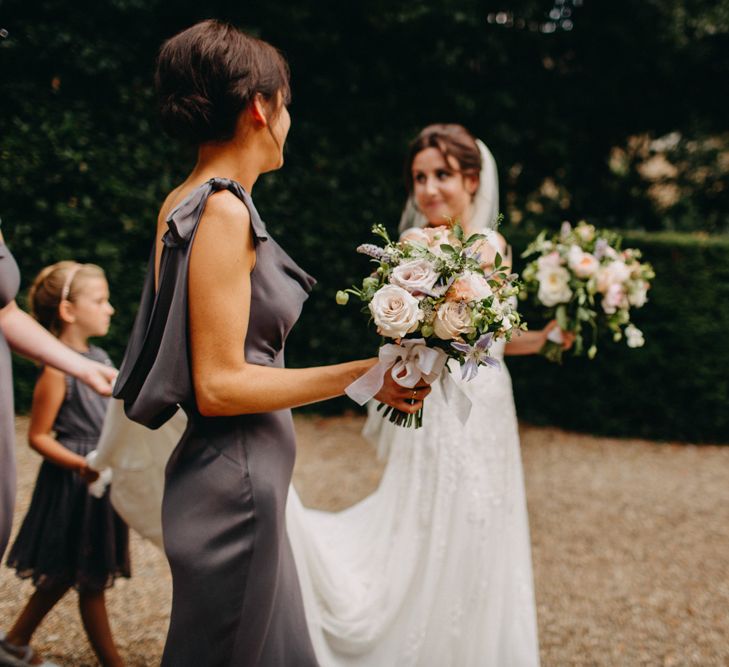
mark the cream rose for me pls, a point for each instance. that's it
(582, 263)
(554, 286)
(451, 320)
(469, 287)
(396, 312)
(638, 293)
(416, 276)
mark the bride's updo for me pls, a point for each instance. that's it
(452, 140)
(207, 74)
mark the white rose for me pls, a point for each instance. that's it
(554, 286)
(469, 287)
(638, 293)
(615, 273)
(634, 336)
(416, 276)
(451, 320)
(582, 263)
(614, 299)
(395, 311)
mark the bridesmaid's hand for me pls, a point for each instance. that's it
(568, 337)
(402, 398)
(99, 377)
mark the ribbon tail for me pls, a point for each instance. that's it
(455, 397)
(367, 385)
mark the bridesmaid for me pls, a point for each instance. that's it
(219, 300)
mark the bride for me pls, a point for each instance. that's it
(434, 568)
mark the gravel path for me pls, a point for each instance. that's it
(630, 544)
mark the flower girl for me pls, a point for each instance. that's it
(68, 538)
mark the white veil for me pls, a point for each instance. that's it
(485, 202)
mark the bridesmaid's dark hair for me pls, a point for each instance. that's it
(451, 140)
(208, 73)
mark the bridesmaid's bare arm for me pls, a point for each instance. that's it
(219, 292)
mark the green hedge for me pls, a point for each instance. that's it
(674, 388)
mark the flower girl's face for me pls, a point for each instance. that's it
(90, 310)
(440, 188)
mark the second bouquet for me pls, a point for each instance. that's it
(432, 296)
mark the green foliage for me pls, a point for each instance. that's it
(674, 388)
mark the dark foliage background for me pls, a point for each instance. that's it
(619, 119)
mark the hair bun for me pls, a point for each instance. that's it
(186, 117)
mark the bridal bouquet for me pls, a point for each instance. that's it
(584, 279)
(431, 296)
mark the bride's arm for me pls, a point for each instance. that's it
(531, 342)
(219, 292)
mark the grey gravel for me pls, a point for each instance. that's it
(630, 543)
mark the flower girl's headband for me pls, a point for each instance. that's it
(69, 280)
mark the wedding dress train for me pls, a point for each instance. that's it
(433, 568)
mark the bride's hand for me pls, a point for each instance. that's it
(402, 398)
(568, 337)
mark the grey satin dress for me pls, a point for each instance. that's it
(236, 595)
(9, 283)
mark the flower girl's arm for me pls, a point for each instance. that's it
(48, 395)
(223, 256)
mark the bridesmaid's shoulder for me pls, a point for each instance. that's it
(227, 209)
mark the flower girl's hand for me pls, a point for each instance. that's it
(402, 398)
(568, 337)
(87, 474)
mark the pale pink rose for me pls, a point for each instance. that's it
(437, 236)
(583, 264)
(415, 235)
(469, 287)
(614, 299)
(417, 276)
(396, 312)
(549, 261)
(615, 273)
(452, 318)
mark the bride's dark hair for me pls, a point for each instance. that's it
(452, 140)
(208, 73)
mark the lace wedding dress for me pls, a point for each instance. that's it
(434, 568)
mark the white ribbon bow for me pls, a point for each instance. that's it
(419, 362)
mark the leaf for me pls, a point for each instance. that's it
(449, 249)
(497, 261)
(458, 232)
(561, 316)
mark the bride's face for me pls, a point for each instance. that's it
(441, 190)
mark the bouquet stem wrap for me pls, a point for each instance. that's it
(408, 363)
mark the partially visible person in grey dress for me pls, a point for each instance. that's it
(218, 302)
(21, 333)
